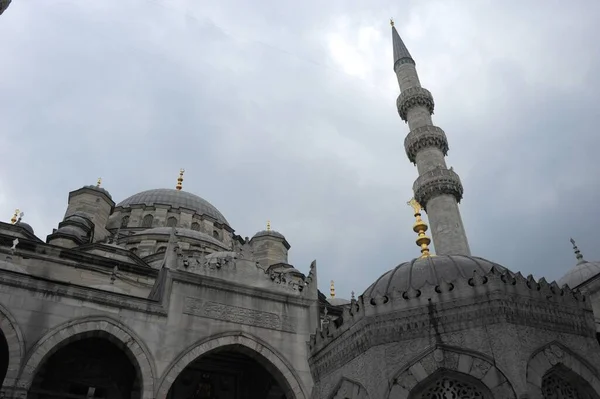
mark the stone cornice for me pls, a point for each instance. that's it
(412, 97)
(438, 181)
(464, 315)
(230, 286)
(69, 257)
(425, 137)
(54, 288)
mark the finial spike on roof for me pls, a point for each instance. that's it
(578, 254)
(99, 182)
(420, 227)
(268, 225)
(332, 289)
(179, 185)
(392, 22)
(15, 217)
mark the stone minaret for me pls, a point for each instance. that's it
(438, 189)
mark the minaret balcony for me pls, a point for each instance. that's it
(413, 97)
(425, 137)
(436, 182)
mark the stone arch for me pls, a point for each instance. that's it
(254, 346)
(104, 327)
(348, 389)
(445, 360)
(552, 354)
(16, 347)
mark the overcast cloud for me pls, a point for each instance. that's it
(285, 111)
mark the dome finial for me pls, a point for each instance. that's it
(578, 254)
(99, 182)
(420, 227)
(332, 289)
(179, 185)
(15, 217)
(392, 22)
(268, 225)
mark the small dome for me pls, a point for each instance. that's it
(582, 272)
(99, 189)
(432, 270)
(26, 226)
(338, 301)
(176, 199)
(269, 233)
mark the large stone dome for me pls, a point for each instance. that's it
(176, 199)
(582, 272)
(432, 270)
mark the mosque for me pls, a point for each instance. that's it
(158, 297)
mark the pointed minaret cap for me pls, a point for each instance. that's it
(401, 54)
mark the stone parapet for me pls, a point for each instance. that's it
(481, 300)
(436, 182)
(425, 137)
(412, 97)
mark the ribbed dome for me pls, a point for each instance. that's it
(180, 232)
(338, 301)
(582, 272)
(433, 270)
(102, 190)
(176, 199)
(26, 226)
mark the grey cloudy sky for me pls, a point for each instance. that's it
(285, 111)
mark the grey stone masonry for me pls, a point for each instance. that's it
(438, 189)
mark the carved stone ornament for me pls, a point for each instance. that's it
(438, 355)
(425, 137)
(437, 182)
(554, 354)
(412, 97)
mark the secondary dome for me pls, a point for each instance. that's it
(433, 270)
(581, 273)
(176, 199)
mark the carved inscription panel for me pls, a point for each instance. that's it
(236, 314)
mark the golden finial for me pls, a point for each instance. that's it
(99, 182)
(332, 290)
(15, 217)
(391, 22)
(179, 185)
(268, 225)
(420, 227)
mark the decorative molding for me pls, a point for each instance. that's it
(402, 61)
(247, 344)
(436, 182)
(440, 361)
(425, 137)
(236, 314)
(92, 326)
(413, 97)
(553, 354)
(348, 389)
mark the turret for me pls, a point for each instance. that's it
(85, 219)
(438, 189)
(270, 247)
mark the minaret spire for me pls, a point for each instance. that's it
(578, 254)
(438, 189)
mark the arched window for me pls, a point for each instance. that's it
(562, 383)
(147, 221)
(196, 226)
(124, 221)
(215, 234)
(172, 222)
(444, 384)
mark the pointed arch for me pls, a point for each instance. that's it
(348, 389)
(16, 346)
(104, 327)
(253, 346)
(554, 354)
(443, 360)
